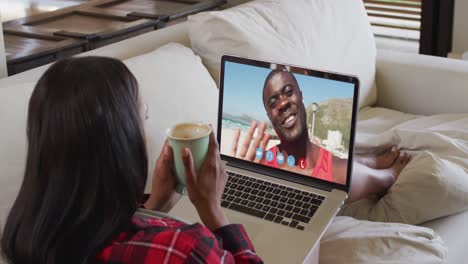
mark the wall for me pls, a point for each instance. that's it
(460, 27)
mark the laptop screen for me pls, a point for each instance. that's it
(288, 118)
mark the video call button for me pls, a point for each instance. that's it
(259, 153)
(291, 161)
(280, 158)
(302, 163)
(269, 156)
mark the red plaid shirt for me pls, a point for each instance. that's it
(164, 240)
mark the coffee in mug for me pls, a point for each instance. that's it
(196, 137)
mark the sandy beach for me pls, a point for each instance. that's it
(227, 135)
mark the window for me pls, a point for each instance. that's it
(423, 25)
(395, 19)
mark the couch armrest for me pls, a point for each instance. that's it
(420, 84)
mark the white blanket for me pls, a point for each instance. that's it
(352, 241)
(445, 135)
(435, 183)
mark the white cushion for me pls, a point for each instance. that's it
(348, 240)
(177, 88)
(14, 101)
(173, 82)
(435, 183)
(320, 34)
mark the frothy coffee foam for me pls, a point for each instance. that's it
(189, 131)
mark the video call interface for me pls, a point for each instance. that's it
(282, 117)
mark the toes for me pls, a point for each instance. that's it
(391, 150)
(391, 155)
(405, 158)
(409, 158)
(402, 158)
(385, 150)
(397, 150)
(394, 152)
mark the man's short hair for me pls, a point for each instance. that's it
(273, 73)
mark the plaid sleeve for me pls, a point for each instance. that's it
(168, 241)
(237, 247)
(234, 239)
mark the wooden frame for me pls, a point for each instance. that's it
(437, 27)
(58, 47)
(114, 25)
(75, 29)
(191, 7)
(43, 41)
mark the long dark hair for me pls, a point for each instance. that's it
(86, 166)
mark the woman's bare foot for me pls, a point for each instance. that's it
(399, 164)
(367, 181)
(381, 161)
(388, 176)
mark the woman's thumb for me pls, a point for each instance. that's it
(187, 159)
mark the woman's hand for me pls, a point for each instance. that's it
(163, 196)
(206, 188)
(250, 144)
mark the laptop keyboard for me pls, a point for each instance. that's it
(270, 201)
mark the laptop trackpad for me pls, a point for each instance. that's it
(186, 211)
(251, 225)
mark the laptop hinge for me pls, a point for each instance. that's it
(282, 176)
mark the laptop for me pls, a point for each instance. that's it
(286, 134)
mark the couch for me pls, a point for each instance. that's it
(407, 83)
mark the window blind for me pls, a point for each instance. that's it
(395, 18)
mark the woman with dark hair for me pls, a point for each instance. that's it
(85, 175)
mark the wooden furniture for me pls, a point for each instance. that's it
(37, 40)
(27, 50)
(41, 39)
(163, 10)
